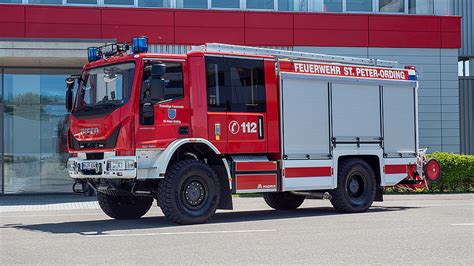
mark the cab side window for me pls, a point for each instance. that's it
(173, 81)
(173, 89)
(247, 92)
(235, 85)
(173, 78)
(216, 81)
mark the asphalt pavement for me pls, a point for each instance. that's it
(404, 229)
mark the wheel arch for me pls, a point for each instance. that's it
(203, 150)
(372, 159)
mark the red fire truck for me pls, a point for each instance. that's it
(190, 130)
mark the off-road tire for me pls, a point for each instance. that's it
(358, 196)
(124, 207)
(196, 178)
(283, 200)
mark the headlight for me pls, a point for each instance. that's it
(71, 166)
(120, 165)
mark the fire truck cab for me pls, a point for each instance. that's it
(190, 130)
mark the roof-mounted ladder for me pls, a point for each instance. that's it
(284, 54)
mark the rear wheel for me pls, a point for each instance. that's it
(190, 192)
(283, 200)
(356, 184)
(124, 207)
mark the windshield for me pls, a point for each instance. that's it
(107, 86)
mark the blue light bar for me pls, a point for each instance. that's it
(140, 45)
(92, 54)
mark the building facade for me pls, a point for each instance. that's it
(44, 41)
(465, 9)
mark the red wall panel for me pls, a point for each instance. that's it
(201, 35)
(12, 30)
(351, 38)
(62, 15)
(269, 20)
(269, 37)
(124, 33)
(12, 13)
(209, 19)
(172, 26)
(450, 40)
(404, 23)
(43, 30)
(331, 21)
(405, 39)
(451, 24)
(137, 17)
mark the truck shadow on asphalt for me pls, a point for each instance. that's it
(108, 226)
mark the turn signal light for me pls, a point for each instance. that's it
(125, 153)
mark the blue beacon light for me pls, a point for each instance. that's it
(92, 54)
(140, 45)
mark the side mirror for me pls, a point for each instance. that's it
(158, 70)
(70, 86)
(157, 89)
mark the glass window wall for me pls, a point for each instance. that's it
(392, 6)
(82, 2)
(332, 6)
(10, 1)
(442, 7)
(191, 3)
(225, 4)
(359, 5)
(119, 2)
(422, 7)
(260, 4)
(46, 2)
(34, 130)
(293, 5)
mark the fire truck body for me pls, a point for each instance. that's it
(191, 129)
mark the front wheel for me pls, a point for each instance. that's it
(356, 186)
(189, 193)
(124, 207)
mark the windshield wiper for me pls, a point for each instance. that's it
(105, 104)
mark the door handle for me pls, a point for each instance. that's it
(260, 127)
(183, 130)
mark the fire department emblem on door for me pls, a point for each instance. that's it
(171, 114)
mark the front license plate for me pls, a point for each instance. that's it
(89, 165)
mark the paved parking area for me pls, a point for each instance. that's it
(405, 229)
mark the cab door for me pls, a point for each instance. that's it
(236, 104)
(246, 119)
(170, 118)
(217, 104)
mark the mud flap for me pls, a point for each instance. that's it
(379, 194)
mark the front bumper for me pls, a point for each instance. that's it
(81, 168)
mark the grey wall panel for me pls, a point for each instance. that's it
(465, 8)
(429, 92)
(466, 105)
(448, 92)
(429, 100)
(430, 116)
(403, 51)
